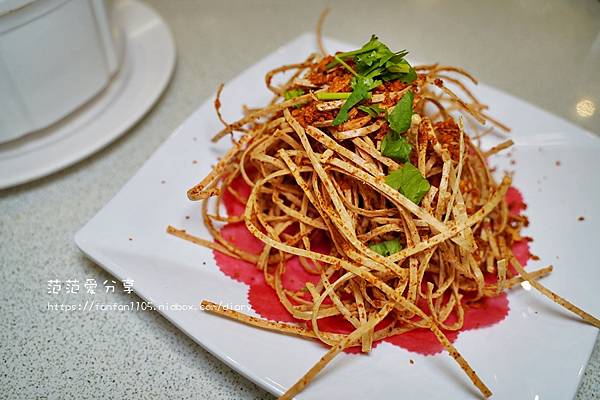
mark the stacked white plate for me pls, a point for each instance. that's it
(91, 83)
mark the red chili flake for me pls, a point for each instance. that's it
(557, 163)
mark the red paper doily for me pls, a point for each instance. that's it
(264, 301)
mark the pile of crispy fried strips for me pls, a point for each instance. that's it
(370, 152)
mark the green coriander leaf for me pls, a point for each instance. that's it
(371, 45)
(367, 81)
(385, 59)
(395, 146)
(359, 93)
(397, 64)
(408, 181)
(401, 115)
(404, 77)
(410, 76)
(333, 95)
(393, 246)
(373, 110)
(368, 110)
(378, 248)
(290, 94)
(373, 62)
(401, 68)
(387, 247)
(349, 68)
(367, 59)
(368, 62)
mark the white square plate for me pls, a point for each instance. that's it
(538, 352)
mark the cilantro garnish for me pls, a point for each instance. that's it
(332, 95)
(374, 62)
(408, 181)
(373, 110)
(359, 93)
(387, 247)
(292, 93)
(395, 146)
(372, 45)
(401, 115)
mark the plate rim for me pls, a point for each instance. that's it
(63, 160)
(88, 248)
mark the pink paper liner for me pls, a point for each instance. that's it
(264, 300)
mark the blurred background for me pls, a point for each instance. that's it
(546, 52)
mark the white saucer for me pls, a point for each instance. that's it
(148, 63)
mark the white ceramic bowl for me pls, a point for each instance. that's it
(54, 56)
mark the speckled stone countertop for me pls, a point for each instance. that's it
(61, 354)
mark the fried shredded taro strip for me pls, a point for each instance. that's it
(309, 179)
